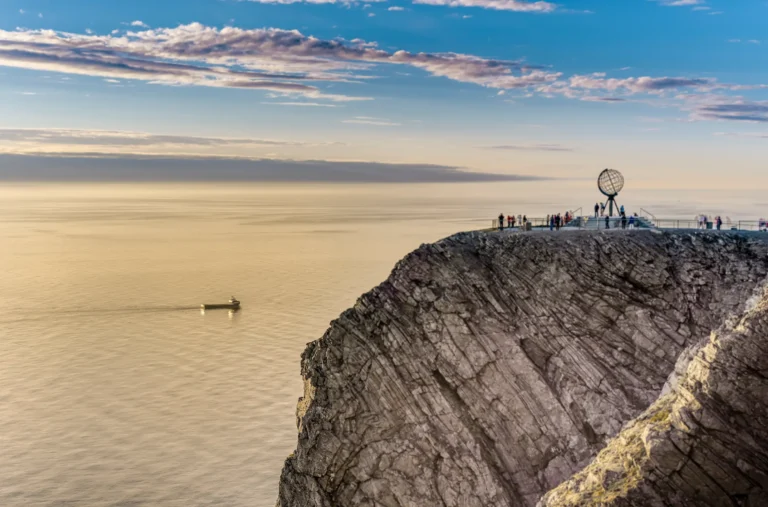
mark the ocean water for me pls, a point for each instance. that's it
(116, 390)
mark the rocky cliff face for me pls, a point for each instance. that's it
(489, 368)
(704, 443)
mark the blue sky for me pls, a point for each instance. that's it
(672, 91)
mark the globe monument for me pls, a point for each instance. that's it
(610, 182)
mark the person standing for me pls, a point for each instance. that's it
(512, 224)
(552, 223)
(623, 219)
(719, 222)
(501, 221)
(607, 222)
(632, 222)
(602, 208)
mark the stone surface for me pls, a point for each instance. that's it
(705, 443)
(489, 368)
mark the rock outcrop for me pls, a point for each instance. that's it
(704, 443)
(489, 368)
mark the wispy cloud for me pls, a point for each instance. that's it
(603, 99)
(695, 5)
(396, 8)
(139, 24)
(680, 3)
(289, 2)
(638, 84)
(299, 104)
(499, 5)
(529, 147)
(751, 135)
(599, 88)
(731, 109)
(370, 120)
(24, 140)
(283, 61)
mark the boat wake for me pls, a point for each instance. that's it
(126, 310)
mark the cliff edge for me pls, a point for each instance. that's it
(490, 368)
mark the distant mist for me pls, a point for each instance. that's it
(100, 167)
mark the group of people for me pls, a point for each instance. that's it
(558, 220)
(599, 208)
(702, 222)
(624, 220)
(520, 221)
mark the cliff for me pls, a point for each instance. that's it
(489, 368)
(703, 443)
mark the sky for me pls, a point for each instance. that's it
(674, 93)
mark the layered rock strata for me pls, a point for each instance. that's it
(703, 444)
(489, 368)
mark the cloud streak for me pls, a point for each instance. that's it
(498, 5)
(107, 167)
(732, 109)
(638, 84)
(369, 120)
(282, 61)
(91, 138)
(530, 147)
(317, 2)
(680, 3)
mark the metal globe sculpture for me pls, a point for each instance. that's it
(610, 182)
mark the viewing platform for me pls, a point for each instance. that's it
(640, 222)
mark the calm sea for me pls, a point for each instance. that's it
(116, 390)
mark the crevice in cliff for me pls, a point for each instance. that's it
(484, 441)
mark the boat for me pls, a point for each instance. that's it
(233, 304)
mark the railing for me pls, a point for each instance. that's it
(659, 223)
(537, 223)
(741, 225)
(645, 212)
